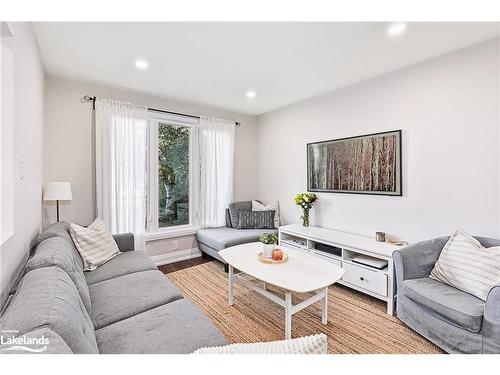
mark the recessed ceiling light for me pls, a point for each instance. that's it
(251, 94)
(396, 28)
(141, 64)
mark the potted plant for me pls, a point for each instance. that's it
(305, 201)
(269, 242)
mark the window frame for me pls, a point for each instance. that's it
(153, 230)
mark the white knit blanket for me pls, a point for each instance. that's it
(315, 344)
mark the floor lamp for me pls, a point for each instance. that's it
(57, 191)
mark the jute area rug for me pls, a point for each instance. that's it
(357, 323)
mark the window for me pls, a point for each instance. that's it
(171, 153)
(173, 175)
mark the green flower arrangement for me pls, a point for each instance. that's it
(269, 238)
(305, 201)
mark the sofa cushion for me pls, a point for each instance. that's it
(234, 211)
(177, 328)
(466, 265)
(56, 251)
(463, 309)
(222, 237)
(55, 344)
(256, 220)
(275, 206)
(61, 229)
(48, 298)
(122, 264)
(122, 297)
(95, 243)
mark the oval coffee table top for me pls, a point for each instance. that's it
(303, 272)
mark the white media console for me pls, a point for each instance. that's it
(344, 247)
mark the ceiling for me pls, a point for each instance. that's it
(215, 64)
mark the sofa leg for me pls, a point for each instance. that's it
(204, 255)
(226, 268)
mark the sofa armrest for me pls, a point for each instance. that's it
(491, 322)
(125, 241)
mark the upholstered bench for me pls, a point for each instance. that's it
(213, 240)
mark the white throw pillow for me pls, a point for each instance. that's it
(316, 344)
(466, 265)
(257, 206)
(95, 244)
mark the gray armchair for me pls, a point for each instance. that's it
(456, 321)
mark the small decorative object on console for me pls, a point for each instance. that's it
(269, 242)
(306, 201)
(380, 236)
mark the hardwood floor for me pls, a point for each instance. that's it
(172, 267)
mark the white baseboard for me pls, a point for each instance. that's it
(176, 256)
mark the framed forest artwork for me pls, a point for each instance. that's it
(366, 164)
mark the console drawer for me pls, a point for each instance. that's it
(373, 281)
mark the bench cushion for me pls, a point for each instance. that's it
(48, 298)
(460, 308)
(122, 297)
(223, 237)
(56, 251)
(122, 264)
(177, 328)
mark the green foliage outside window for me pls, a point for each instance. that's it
(173, 175)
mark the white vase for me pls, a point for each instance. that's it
(267, 250)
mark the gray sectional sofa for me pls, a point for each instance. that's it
(212, 240)
(456, 321)
(124, 306)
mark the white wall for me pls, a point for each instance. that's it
(68, 151)
(28, 148)
(448, 109)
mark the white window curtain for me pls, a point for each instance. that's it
(216, 150)
(121, 166)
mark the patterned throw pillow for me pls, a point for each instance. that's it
(256, 219)
(316, 344)
(257, 206)
(466, 265)
(234, 214)
(95, 244)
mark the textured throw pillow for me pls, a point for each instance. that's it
(95, 244)
(466, 265)
(257, 206)
(316, 344)
(256, 219)
(234, 214)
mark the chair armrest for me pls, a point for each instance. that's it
(125, 241)
(491, 322)
(417, 260)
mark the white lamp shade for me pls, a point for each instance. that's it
(57, 191)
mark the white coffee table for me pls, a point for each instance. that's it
(302, 273)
